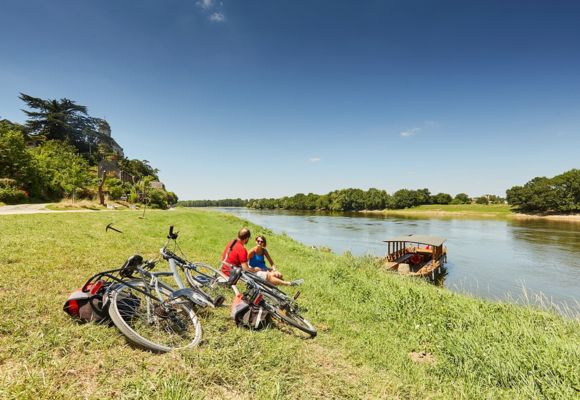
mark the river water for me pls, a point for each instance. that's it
(514, 260)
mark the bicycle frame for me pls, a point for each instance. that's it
(152, 280)
(256, 283)
(176, 261)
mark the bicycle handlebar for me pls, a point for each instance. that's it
(172, 235)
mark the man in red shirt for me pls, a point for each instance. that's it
(235, 253)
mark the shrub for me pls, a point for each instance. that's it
(12, 195)
(157, 198)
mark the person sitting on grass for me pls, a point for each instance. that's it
(235, 253)
(257, 260)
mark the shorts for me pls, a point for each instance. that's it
(262, 275)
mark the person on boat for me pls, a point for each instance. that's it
(257, 259)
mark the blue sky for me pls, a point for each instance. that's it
(271, 98)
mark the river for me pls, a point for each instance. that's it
(513, 260)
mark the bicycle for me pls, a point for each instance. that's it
(197, 274)
(149, 312)
(281, 306)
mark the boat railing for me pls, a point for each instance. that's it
(396, 255)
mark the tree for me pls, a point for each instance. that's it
(60, 169)
(403, 198)
(567, 187)
(172, 198)
(116, 188)
(15, 161)
(69, 122)
(442, 198)
(138, 168)
(75, 176)
(376, 199)
(53, 119)
(423, 196)
(461, 198)
(541, 194)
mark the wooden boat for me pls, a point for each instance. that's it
(416, 255)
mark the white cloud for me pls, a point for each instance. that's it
(431, 124)
(217, 17)
(314, 159)
(410, 132)
(205, 4)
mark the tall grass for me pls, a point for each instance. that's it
(369, 321)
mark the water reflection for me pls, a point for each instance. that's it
(497, 259)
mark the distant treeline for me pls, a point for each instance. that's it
(349, 200)
(372, 199)
(560, 194)
(213, 203)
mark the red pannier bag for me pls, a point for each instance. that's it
(249, 314)
(88, 305)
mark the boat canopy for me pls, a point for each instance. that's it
(421, 239)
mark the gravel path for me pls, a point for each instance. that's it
(32, 209)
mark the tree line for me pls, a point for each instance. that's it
(57, 152)
(372, 199)
(349, 200)
(559, 194)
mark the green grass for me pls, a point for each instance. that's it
(457, 210)
(369, 322)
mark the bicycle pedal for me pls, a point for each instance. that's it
(219, 300)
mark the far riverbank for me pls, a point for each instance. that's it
(471, 211)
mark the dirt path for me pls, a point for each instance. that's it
(32, 209)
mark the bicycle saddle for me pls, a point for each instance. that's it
(132, 262)
(235, 274)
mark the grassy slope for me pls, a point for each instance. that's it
(368, 324)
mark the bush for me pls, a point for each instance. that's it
(12, 195)
(158, 198)
(86, 193)
(133, 197)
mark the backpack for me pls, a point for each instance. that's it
(88, 305)
(248, 313)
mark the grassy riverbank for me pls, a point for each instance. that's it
(455, 210)
(369, 326)
(494, 211)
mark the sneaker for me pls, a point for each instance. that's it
(297, 282)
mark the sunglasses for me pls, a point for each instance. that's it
(260, 241)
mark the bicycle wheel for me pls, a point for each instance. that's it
(281, 308)
(200, 274)
(212, 281)
(157, 324)
(296, 320)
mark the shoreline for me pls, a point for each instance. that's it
(490, 215)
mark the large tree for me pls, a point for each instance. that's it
(70, 122)
(54, 119)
